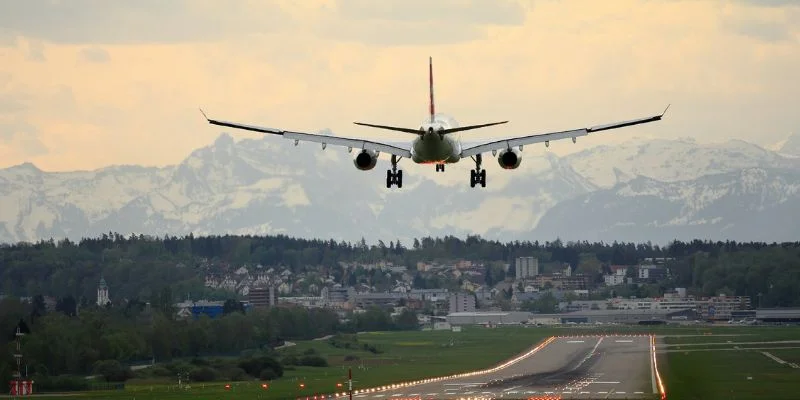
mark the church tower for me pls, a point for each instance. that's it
(102, 293)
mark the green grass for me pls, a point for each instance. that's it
(788, 355)
(408, 356)
(404, 356)
(731, 374)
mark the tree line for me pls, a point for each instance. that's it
(92, 340)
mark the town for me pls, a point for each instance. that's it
(478, 293)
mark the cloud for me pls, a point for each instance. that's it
(94, 55)
(10, 105)
(769, 23)
(21, 136)
(35, 51)
(761, 30)
(565, 65)
(140, 21)
(471, 12)
(418, 22)
(769, 3)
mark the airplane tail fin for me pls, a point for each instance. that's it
(432, 110)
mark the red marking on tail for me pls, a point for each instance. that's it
(430, 81)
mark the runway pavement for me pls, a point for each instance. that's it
(567, 367)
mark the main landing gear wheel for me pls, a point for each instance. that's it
(394, 176)
(477, 175)
(439, 167)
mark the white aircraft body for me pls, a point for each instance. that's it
(434, 142)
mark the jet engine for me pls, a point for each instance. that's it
(366, 160)
(509, 159)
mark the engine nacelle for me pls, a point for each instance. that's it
(509, 159)
(366, 160)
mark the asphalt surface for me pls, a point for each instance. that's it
(569, 367)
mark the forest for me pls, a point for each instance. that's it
(147, 275)
(142, 268)
(106, 340)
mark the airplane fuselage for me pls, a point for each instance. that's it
(433, 147)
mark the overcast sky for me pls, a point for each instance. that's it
(88, 83)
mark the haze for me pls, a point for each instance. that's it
(85, 84)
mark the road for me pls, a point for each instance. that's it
(567, 367)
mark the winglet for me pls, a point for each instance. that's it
(665, 110)
(204, 114)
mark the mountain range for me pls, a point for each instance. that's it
(640, 190)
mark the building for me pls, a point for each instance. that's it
(651, 273)
(199, 308)
(615, 278)
(721, 307)
(102, 293)
(429, 294)
(778, 315)
(262, 296)
(462, 302)
(527, 267)
(488, 318)
(633, 316)
(576, 282)
(338, 294)
(366, 300)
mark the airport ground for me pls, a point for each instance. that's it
(737, 362)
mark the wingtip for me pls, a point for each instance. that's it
(665, 110)
(203, 112)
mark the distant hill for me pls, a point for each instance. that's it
(640, 190)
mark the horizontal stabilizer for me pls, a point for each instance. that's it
(419, 132)
(391, 128)
(471, 127)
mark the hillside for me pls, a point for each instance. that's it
(264, 186)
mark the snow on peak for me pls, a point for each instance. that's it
(670, 160)
(791, 146)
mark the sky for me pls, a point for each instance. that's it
(90, 83)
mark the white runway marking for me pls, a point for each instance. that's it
(575, 341)
(778, 360)
(624, 341)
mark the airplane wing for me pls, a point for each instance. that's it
(547, 137)
(312, 137)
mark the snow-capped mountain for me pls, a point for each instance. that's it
(671, 160)
(266, 186)
(791, 147)
(752, 203)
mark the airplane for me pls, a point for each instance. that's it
(434, 142)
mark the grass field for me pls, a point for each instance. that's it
(723, 372)
(405, 356)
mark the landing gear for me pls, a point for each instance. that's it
(477, 175)
(439, 167)
(394, 176)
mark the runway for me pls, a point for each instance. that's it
(566, 367)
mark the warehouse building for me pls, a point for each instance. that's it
(651, 316)
(778, 315)
(487, 318)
